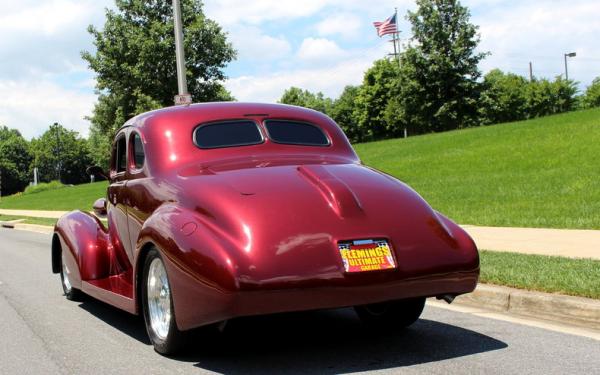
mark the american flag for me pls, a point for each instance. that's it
(386, 27)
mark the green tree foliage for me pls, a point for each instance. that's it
(342, 113)
(545, 97)
(591, 98)
(135, 65)
(61, 154)
(304, 98)
(503, 98)
(440, 70)
(380, 84)
(15, 158)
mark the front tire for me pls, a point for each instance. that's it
(157, 302)
(69, 291)
(393, 314)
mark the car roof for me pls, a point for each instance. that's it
(223, 110)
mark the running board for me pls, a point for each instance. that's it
(114, 290)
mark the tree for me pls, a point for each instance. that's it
(15, 158)
(135, 65)
(380, 85)
(503, 97)
(304, 98)
(61, 154)
(591, 98)
(343, 112)
(439, 88)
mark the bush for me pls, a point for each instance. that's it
(591, 98)
(44, 186)
(503, 98)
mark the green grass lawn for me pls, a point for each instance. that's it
(64, 199)
(30, 220)
(577, 277)
(538, 173)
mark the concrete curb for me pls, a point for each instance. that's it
(577, 311)
(35, 228)
(10, 224)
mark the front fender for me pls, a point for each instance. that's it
(199, 264)
(83, 239)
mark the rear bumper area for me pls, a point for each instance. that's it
(274, 301)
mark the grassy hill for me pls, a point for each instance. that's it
(66, 198)
(538, 173)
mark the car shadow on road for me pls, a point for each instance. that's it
(328, 342)
(129, 324)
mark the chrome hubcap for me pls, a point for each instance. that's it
(65, 275)
(159, 299)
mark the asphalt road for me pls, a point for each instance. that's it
(43, 333)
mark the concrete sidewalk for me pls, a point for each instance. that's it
(570, 243)
(34, 213)
(560, 242)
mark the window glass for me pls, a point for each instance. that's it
(227, 134)
(295, 133)
(121, 154)
(138, 151)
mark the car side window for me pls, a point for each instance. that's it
(138, 151)
(121, 159)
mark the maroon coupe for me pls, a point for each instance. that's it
(222, 210)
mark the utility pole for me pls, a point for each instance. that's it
(183, 97)
(58, 151)
(530, 72)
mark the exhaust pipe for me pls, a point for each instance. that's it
(446, 297)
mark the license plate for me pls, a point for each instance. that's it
(366, 255)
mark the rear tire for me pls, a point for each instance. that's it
(157, 304)
(69, 291)
(393, 314)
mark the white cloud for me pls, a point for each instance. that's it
(32, 106)
(230, 12)
(252, 44)
(329, 79)
(319, 50)
(541, 32)
(47, 18)
(344, 24)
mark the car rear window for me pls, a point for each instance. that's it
(227, 134)
(296, 133)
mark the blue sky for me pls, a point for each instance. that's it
(320, 45)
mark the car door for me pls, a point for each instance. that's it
(116, 203)
(139, 202)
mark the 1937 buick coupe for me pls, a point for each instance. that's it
(223, 210)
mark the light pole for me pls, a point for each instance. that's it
(183, 96)
(570, 54)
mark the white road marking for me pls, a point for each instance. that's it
(551, 326)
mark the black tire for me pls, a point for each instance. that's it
(393, 314)
(70, 292)
(174, 340)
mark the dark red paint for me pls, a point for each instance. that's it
(254, 229)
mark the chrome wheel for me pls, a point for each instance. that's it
(65, 276)
(159, 299)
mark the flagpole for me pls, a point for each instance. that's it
(396, 38)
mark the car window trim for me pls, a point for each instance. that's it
(117, 139)
(131, 164)
(265, 122)
(258, 127)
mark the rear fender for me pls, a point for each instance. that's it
(84, 240)
(200, 267)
